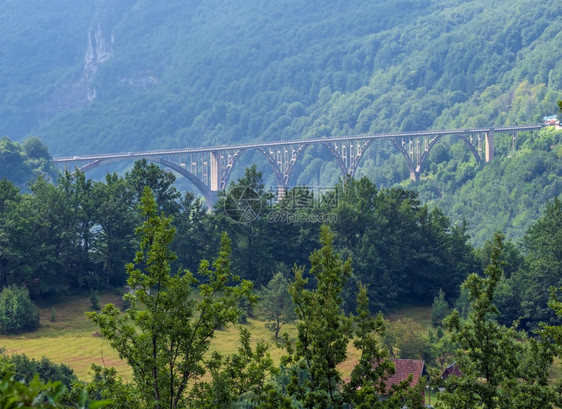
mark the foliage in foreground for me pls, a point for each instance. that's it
(38, 394)
(498, 369)
(324, 331)
(166, 332)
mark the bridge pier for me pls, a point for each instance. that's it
(215, 171)
(489, 146)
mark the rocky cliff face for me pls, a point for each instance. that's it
(80, 92)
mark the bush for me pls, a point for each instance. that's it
(25, 368)
(17, 312)
(95, 300)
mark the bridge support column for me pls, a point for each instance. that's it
(489, 145)
(215, 174)
(281, 192)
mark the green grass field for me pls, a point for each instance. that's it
(73, 340)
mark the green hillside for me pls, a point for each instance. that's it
(119, 75)
(133, 74)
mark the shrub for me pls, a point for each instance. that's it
(95, 300)
(25, 368)
(17, 312)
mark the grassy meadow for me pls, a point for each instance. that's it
(73, 340)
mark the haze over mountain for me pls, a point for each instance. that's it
(126, 75)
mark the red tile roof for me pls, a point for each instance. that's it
(403, 369)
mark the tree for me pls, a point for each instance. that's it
(49, 238)
(25, 368)
(9, 256)
(160, 182)
(323, 329)
(240, 378)
(402, 249)
(439, 309)
(117, 218)
(37, 156)
(12, 162)
(498, 371)
(242, 211)
(403, 341)
(196, 236)
(166, 332)
(17, 312)
(77, 192)
(543, 242)
(442, 347)
(20, 162)
(276, 306)
(367, 382)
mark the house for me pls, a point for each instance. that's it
(550, 120)
(452, 369)
(403, 368)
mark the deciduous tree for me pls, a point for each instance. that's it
(17, 312)
(166, 332)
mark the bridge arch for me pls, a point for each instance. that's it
(471, 148)
(415, 164)
(208, 195)
(348, 154)
(282, 159)
(228, 166)
(434, 140)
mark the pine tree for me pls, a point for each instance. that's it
(498, 370)
(276, 306)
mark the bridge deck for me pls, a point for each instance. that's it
(142, 154)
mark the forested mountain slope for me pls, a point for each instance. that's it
(125, 75)
(109, 75)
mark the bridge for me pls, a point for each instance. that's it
(209, 168)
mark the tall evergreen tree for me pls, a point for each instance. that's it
(498, 371)
(323, 329)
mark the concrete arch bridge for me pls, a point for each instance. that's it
(209, 168)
